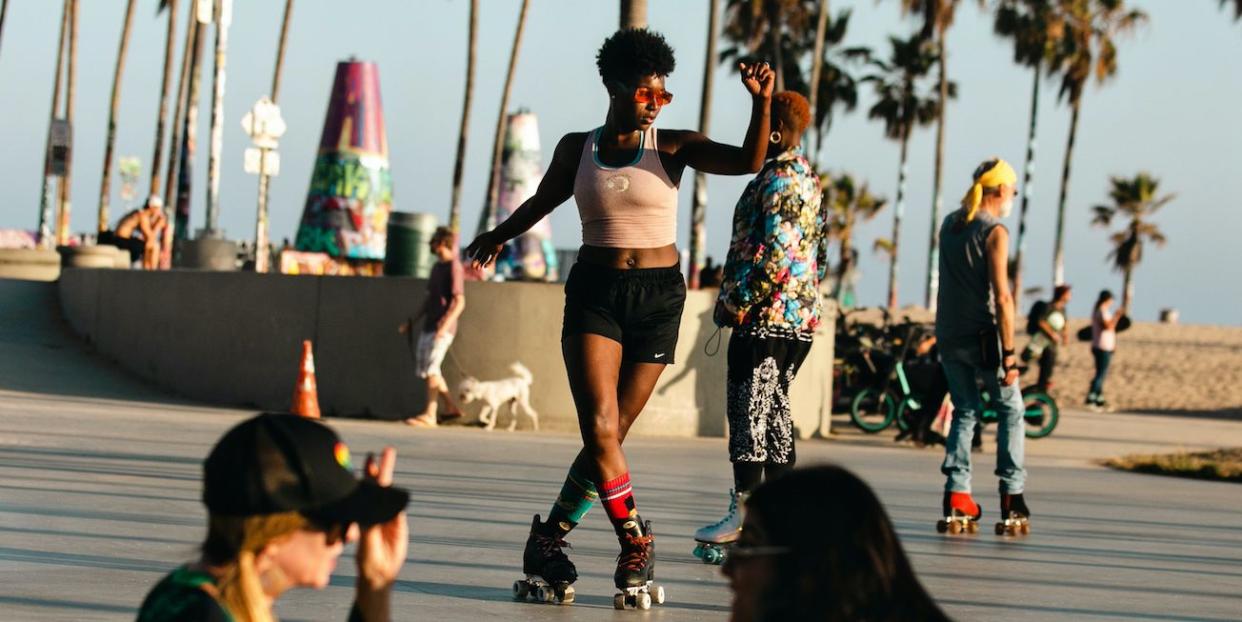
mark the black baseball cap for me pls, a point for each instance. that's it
(274, 463)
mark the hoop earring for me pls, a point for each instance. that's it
(775, 136)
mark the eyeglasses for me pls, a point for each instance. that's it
(742, 552)
(646, 95)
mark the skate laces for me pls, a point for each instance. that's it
(635, 552)
(729, 516)
(552, 546)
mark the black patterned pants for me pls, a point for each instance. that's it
(760, 417)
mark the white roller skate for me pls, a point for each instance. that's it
(713, 540)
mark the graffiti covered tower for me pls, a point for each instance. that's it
(531, 255)
(350, 196)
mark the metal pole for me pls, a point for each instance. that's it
(261, 253)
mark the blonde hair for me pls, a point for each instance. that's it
(234, 542)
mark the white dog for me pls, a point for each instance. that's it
(514, 391)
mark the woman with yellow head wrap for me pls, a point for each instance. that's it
(991, 178)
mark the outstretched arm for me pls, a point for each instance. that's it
(555, 188)
(704, 154)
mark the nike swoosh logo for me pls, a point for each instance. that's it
(659, 355)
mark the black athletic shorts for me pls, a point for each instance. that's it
(640, 309)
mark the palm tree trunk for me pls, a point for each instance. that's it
(455, 203)
(280, 50)
(45, 203)
(105, 183)
(223, 20)
(66, 181)
(487, 219)
(4, 9)
(933, 245)
(817, 68)
(1127, 289)
(698, 211)
(1027, 173)
(1058, 259)
(633, 14)
(185, 177)
(775, 25)
(169, 47)
(898, 209)
(847, 245)
(178, 136)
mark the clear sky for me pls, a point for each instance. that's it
(1172, 110)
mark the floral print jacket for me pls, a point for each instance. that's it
(778, 254)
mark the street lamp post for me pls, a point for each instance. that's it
(265, 127)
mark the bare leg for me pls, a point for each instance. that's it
(634, 387)
(593, 364)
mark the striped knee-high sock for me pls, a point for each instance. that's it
(618, 498)
(577, 496)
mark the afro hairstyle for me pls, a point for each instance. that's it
(633, 53)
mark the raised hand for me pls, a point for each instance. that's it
(382, 549)
(483, 250)
(758, 78)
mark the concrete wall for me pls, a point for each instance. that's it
(234, 338)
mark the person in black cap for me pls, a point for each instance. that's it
(282, 503)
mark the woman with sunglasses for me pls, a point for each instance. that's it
(281, 505)
(624, 296)
(799, 562)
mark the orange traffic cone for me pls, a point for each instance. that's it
(306, 394)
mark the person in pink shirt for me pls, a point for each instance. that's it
(1103, 343)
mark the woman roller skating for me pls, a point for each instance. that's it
(770, 296)
(624, 296)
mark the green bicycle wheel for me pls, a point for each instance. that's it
(873, 411)
(1041, 414)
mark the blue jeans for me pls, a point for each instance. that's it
(967, 407)
(1102, 360)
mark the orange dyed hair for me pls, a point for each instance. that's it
(793, 111)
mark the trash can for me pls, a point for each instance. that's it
(406, 252)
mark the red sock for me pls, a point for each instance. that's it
(618, 498)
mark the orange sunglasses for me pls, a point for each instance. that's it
(645, 95)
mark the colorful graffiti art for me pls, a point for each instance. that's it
(321, 264)
(350, 196)
(531, 256)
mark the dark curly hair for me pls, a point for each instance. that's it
(632, 53)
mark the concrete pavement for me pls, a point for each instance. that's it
(99, 497)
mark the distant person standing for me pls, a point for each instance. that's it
(1052, 332)
(1103, 344)
(446, 299)
(975, 335)
(139, 232)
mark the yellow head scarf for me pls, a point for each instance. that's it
(990, 174)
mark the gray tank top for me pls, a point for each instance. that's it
(964, 305)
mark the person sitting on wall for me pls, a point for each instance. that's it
(139, 232)
(446, 299)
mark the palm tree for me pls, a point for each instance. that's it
(487, 219)
(180, 142)
(1237, 9)
(223, 21)
(937, 17)
(110, 142)
(836, 87)
(768, 30)
(847, 203)
(66, 180)
(698, 211)
(633, 14)
(902, 106)
(4, 9)
(169, 47)
(1137, 200)
(458, 166)
(1087, 48)
(1035, 26)
(262, 252)
(189, 139)
(45, 237)
(280, 51)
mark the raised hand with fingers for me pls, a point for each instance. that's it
(382, 548)
(758, 78)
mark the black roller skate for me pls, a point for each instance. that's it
(1015, 517)
(549, 573)
(635, 576)
(961, 514)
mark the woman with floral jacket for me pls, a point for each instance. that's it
(770, 297)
